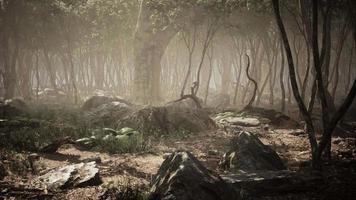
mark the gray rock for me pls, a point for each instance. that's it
(55, 145)
(86, 143)
(50, 95)
(109, 113)
(71, 176)
(95, 159)
(168, 119)
(271, 117)
(250, 154)
(96, 101)
(183, 177)
(243, 121)
(274, 185)
(13, 108)
(213, 152)
(185, 103)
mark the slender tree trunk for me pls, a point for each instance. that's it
(190, 44)
(37, 74)
(211, 31)
(10, 60)
(50, 71)
(348, 75)
(340, 45)
(306, 77)
(249, 105)
(264, 84)
(294, 84)
(210, 56)
(238, 78)
(281, 80)
(25, 68)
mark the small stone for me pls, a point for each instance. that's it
(243, 121)
(96, 159)
(166, 155)
(213, 152)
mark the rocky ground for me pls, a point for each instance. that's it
(280, 134)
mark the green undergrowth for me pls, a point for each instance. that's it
(125, 140)
(24, 134)
(49, 122)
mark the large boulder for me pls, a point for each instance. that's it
(13, 108)
(50, 95)
(183, 177)
(168, 119)
(248, 153)
(243, 121)
(109, 114)
(71, 176)
(97, 101)
(55, 145)
(270, 116)
(185, 103)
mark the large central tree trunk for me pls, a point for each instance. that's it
(149, 47)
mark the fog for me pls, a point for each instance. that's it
(168, 67)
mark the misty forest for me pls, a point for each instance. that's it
(178, 99)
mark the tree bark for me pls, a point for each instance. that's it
(249, 105)
(50, 71)
(281, 80)
(10, 59)
(309, 124)
(149, 47)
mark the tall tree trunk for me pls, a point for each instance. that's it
(149, 47)
(238, 78)
(37, 74)
(264, 84)
(306, 77)
(25, 68)
(190, 43)
(10, 59)
(294, 85)
(50, 70)
(281, 80)
(348, 75)
(210, 56)
(340, 45)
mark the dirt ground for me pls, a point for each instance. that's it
(138, 169)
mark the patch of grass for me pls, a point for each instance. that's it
(31, 135)
(127, 143)
(58, 114)
(178, 134)
(46, 123)
(126, 191)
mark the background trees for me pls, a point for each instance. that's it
(154, 51)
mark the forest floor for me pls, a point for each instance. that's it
(137, 169)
